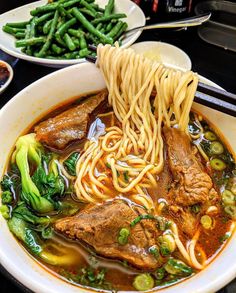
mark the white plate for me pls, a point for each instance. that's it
(30, 104)
(135, 17)
(169, 55)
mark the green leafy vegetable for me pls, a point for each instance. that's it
(88, 277)
(28, 149)
(70, 163)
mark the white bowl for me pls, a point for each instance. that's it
(169, 55)
(31, 103)
(9, 68)
(135, 18)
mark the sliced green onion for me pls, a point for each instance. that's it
(108, 165)
(123, 236)
(217, 164)
(141, 217)
(206, 222)
(126, 176)
(216, 148)
(228, 198)
(167, 244)
(4, 210)
(195, 208)
(154, 251)
(159, 274)
(177, 267)
(143, 282)
(209, 135)
(231, 211)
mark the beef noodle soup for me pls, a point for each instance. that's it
(126, 188)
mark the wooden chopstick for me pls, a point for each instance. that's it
(206, 95)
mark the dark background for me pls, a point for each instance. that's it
(215, 63)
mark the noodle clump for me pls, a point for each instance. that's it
(144, 96)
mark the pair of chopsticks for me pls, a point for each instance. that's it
(206, 95)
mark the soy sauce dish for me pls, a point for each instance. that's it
(6, 75)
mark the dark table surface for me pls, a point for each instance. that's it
(215, 63)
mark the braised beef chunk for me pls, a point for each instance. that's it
(69, 126)
(100, 225)
(192, 184)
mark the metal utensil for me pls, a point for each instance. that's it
(186, 22)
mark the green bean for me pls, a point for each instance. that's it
(123, 29)
(75, 33)
(88, 12)
(97, 8)
(108, 27)
(56, 49)
(43, 9)
(20, 35)
(32, 28)
(64, 12)
(63, 28)
(115, 29)
(72, 55)
(99, 26)
(69, 42)
(92, 38)
(43, 17)
(47, 26)
(90, 27)
(18, 24)
(109, 7)
(11, 30)
(70, 3)
(28, 50)
(84, 52)
(30, 42)
(109, 17)
(82, 42)
(47, 44)
(60, 22)
(59, 40)
(76, 42)
(88, 6)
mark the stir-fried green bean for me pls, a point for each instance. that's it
(109, 7)
(90, 27)
(58, 28)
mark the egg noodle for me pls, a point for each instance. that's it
(144, 96)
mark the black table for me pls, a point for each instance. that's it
(217, 64)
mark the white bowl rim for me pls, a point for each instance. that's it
(9, 265)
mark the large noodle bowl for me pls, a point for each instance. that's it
(121, 190)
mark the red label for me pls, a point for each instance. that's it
(155, 5)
